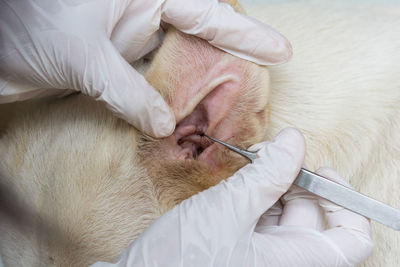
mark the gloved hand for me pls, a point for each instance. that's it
(298, 237)
(86, 45)
(221, 226)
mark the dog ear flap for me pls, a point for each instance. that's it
(188, 69)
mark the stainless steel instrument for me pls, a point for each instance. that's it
(338, 194)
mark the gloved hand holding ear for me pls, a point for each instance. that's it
(229, 225)
(86, 46)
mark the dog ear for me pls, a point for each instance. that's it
(187, 70)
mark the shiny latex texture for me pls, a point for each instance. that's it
(240, 222)
(85, 45)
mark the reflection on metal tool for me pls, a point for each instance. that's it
(338, 194)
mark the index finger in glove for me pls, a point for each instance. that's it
(109, 78)
(228, 30)
(349, 231)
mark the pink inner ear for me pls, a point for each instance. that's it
(198, 68)
(221, 100)
(207, 83)
(216, 90)
(210, 100)
(210, 108)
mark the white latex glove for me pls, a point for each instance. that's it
(299, 229)
(86, 45)
(217, 227)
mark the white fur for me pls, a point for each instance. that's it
(342, 89)
(71, 190)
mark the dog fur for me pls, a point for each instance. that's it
(341, 89)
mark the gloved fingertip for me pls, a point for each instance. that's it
(286, 50)
(291, 138)
(157, 120)
(146, 110)
(289, 133)
(164, 127)
(270, 47)
(280, 51)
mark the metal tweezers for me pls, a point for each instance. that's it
(338, 194)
